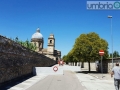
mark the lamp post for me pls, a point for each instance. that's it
(111, 38)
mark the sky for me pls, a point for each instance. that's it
(66, 19)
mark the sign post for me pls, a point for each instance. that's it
(101, 53)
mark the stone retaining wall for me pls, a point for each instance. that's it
(17, 61)
(107, 65)
(115, 60)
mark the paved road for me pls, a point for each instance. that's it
(68, 81)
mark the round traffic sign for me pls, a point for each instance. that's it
(55, 68)
(101, 52)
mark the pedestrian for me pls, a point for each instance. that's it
(116, 73)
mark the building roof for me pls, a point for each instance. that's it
(37, 34)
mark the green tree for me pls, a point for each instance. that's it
(87, 46)
(64, 58)
(26, 44)
(115, 54)
(70, 56)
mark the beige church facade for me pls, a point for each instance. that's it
(38, 40)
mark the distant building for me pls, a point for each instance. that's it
(50, 51)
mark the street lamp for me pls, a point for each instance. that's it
(111, 38)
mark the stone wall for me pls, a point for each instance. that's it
(92, 66)
(84, 65)
(107, 64)
(115, 60)
(17, 61)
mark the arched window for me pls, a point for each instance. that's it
(50, 41)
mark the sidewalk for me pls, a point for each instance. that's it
(95, 82)
(106, 76)
(103, 76)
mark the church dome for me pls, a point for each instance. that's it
(37, 35)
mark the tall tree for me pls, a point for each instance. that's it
(87, 46)
(115, 54)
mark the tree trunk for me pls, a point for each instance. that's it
(75, 63)
(82, 64)
(79, 64)
(89, 65)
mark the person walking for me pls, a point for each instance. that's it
(116, 73)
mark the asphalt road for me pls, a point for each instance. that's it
(68, 81)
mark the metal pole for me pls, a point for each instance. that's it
(112, 42)
(101, 67)
(111, 39)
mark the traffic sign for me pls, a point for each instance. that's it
(55, 68)
(101, 52)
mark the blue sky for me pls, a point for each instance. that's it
(66, 19)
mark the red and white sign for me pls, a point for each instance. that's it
(55, 68)
(101, 52)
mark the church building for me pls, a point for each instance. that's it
(50, 51)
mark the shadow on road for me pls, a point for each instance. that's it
(12, 83)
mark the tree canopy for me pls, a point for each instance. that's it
(86, 48)
(115, 54)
